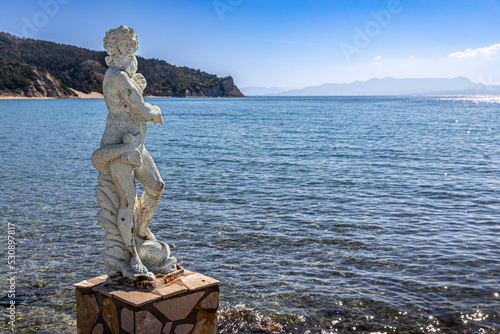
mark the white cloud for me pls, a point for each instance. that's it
(487, 51)
(378, 57)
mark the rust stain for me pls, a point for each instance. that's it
(161, 280)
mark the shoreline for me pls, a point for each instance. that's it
(95, 95)
(8, 97)
(91, 95)
(79, 95)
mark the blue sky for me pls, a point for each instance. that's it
(284, 43)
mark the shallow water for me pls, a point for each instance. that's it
(343, 214)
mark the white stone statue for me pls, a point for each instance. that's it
(132, 251)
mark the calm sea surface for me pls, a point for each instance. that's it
(318, 215)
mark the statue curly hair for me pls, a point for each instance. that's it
(113, 36)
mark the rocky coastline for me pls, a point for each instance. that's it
(47, 70)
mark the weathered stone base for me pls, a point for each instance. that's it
(187, 305)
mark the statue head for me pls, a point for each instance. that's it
(121, 44)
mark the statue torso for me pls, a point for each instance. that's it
(121, 119)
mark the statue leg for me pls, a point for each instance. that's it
(153, 185)
(124, 179)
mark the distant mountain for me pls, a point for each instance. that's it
(391, 86)
(255, 91)
(35, 68)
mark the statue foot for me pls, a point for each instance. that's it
(137, 266)
(139, 271)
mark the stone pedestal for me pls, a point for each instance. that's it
(187, 305)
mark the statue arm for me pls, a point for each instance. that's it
(133, 97)
(127, 151)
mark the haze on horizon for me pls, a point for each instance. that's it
(289, 43)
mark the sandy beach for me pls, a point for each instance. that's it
(7, 97)
(93, 95)
(80, 95)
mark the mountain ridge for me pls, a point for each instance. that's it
(36, 68)
(389, 86)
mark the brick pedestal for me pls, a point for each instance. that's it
(187, 305)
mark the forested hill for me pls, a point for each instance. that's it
(35, 68)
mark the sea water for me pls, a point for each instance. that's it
(318, 215)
